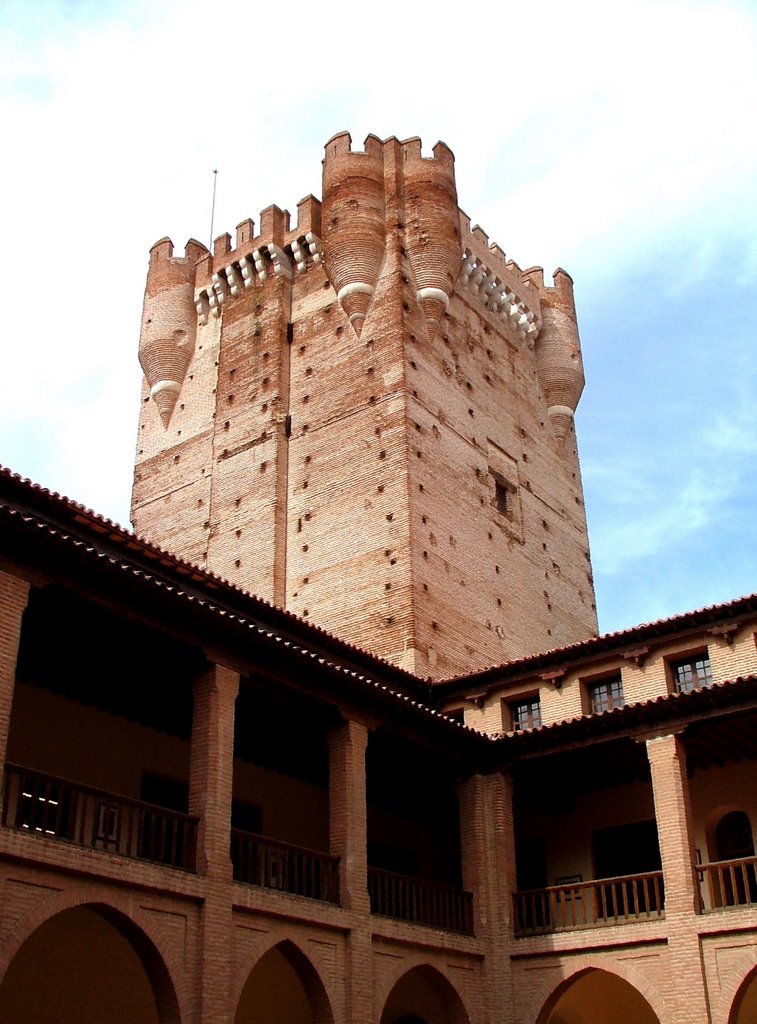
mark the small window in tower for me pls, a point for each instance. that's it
(502, 491)
(504, 496)
(525, 713)
(691, 673)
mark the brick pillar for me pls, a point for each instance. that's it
(212, 768)
(14, 595)
(210, 785)
(667, 759)
(487, 845)
(348, 839)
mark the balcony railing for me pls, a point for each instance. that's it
(606, 901)
(411, 899)
(58, 809)
(293, 869)
(729, 883)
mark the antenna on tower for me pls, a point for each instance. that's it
(213, 208)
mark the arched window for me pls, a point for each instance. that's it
(733, 836)
(734, 842)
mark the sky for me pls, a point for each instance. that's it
(617, 140)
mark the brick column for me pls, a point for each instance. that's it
(212, 768)
(487, 845)
(210, 786)
(348, 839)
(14, 595)
(348, 813)
(667, 759)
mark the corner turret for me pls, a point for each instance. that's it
(169, 322)
(558, 353)
(353, 222)
(432, 227)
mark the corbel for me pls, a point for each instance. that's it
(555, 677)
(725, 632)
(638, 655)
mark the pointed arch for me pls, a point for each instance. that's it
(423, 995)
(600, 995)
(283, 985)
(72, 946)
(737, 1001)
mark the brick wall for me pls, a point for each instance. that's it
(346, 466)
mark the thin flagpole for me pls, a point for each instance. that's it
(213, 209)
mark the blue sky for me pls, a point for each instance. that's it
(615, 140)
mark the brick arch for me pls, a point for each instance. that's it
(549, 993)
(136, 927)
(713, 817)
(741, 972)
(436, 978)
(306, 965)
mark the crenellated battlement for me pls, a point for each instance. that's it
(442, 253)
(256, 266)
(277, 250)
(341, 145)
(347, 236)
(498, 283)
(162, 252)
(275, 230)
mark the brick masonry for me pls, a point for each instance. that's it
(370, 420)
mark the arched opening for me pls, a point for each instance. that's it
(744, 1010)
(91, 965)
(733, 836)
(283, 988)
(423, 996)
(736, 883)
(597, 997)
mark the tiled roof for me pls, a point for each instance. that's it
(597, 646)
(53, 535)
(72, 519)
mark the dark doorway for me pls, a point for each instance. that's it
(626, 850)
(621, 851)
(734, 842)
(733, 836)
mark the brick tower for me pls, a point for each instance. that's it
(368, 419)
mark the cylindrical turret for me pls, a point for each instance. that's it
(432, 233)
(353, 222)
(169, 322)
(558, 353)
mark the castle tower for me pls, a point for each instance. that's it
(367, 418)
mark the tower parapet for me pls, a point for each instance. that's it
(276, 250)
(498, 283)
(432, 227)
(169, 327)
(354, 215)
(558, 353)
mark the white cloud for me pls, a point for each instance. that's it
(593, 135)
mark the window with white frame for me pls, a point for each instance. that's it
(692, 672)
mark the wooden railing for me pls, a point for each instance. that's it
(729, 883)
(274, 865)
(411, 899)
(589, 904)
(58, 809)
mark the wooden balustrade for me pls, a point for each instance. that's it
(412, 899)
(589, 904)
(261, 861)
(58, 809)
(728, 883)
